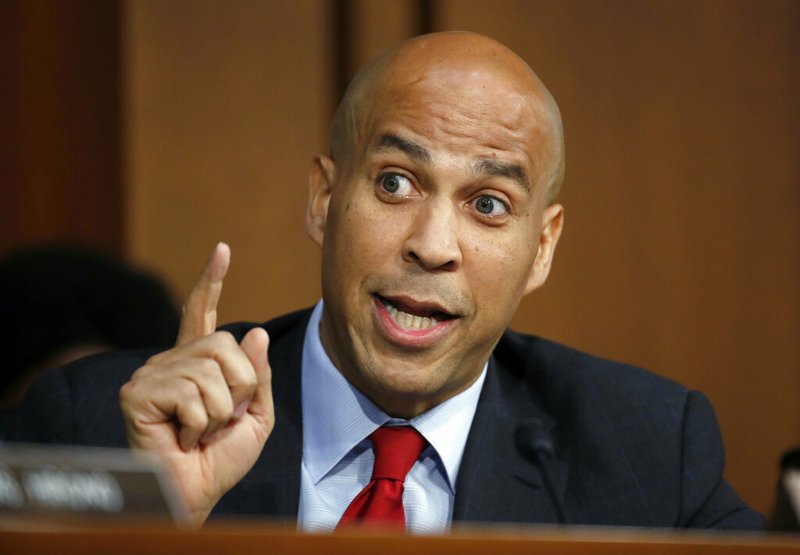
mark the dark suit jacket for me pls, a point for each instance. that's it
(631, 448)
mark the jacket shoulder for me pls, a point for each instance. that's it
(79, 403)
(569, 374)
(636, 442)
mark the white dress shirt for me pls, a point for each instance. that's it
(337, 454)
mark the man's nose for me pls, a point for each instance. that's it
(433, 241)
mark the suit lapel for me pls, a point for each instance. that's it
(495, 482)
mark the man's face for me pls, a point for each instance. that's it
(430, 233)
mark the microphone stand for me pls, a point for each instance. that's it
(536, 444)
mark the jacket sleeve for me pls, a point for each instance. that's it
(707, 500)
(78, 404)
(46, 414)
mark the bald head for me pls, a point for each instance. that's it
(479, 70)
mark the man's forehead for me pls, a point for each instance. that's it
(495, 134)
(456, 50)
(476, 93)
(456, 76)
(470, 78)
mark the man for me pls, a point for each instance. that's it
(435, 213)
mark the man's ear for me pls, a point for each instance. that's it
(321, 177)
(552, 223)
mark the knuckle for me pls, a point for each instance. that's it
(141, 373)
(249, 381)
(244, 379)
(186, 390)
(193, 417)
(221, 412)
(207, 368)
(225, 339)
(126, 392)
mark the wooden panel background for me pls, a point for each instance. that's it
(59, 123)
(682, 201)
(226, 104)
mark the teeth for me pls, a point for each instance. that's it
(409, 321)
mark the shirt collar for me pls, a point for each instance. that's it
(337, 417)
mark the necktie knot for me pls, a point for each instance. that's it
(381, 502)
(396, 450)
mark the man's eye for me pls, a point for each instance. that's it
(490, 206)
(396, 184)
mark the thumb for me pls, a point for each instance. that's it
(255, 345)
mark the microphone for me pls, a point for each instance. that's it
(536, 444)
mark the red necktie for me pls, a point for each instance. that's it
(396, 450)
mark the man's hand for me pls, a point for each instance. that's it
(205, 405)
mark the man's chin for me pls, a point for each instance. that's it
(405, 400)
(406, 387)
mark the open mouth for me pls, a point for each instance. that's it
(413, 316)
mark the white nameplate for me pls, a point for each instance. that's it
(54, 480)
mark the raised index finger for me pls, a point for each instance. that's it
(200, 311)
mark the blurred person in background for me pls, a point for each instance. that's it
(60, 303)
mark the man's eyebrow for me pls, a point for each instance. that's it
(487, 166)
(497, 168)
(389, 142)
